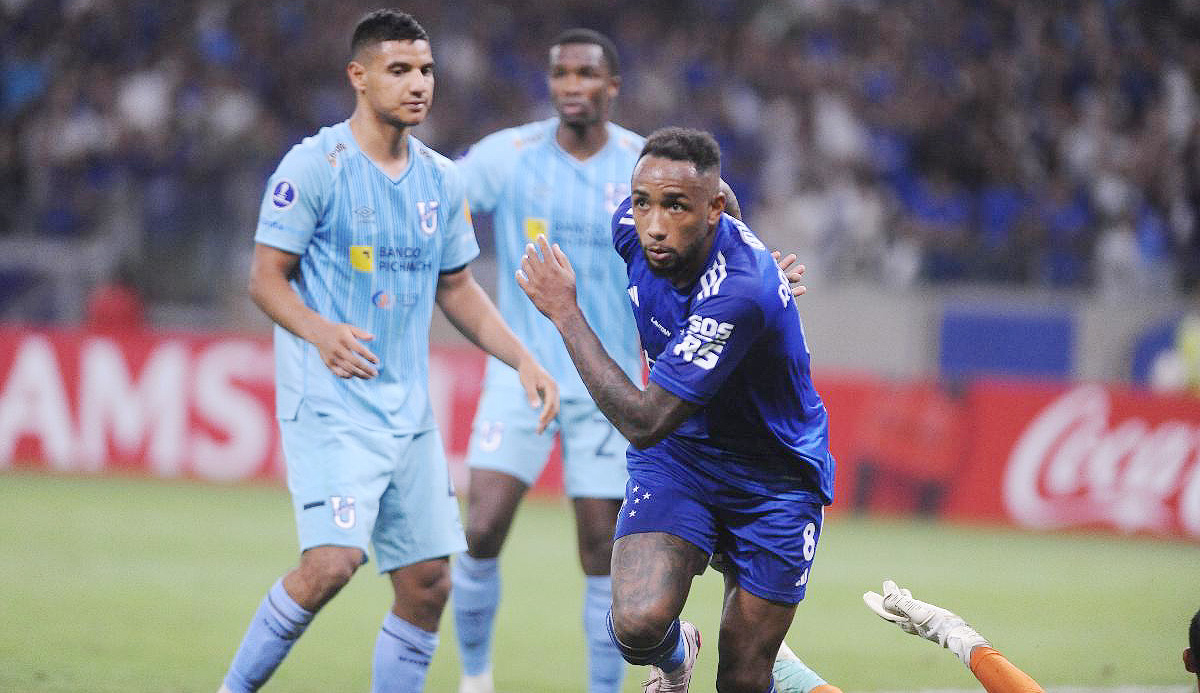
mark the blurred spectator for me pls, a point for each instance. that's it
(116, 305)
(1007, 141)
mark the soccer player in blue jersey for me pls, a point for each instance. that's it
(362, 229)
(562, 177)
(729, 440)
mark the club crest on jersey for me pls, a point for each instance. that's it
(428, 213)
(343, 511)
(283, 195)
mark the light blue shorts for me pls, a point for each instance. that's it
(504, 438)
(351, 485)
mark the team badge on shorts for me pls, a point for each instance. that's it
(343, 511)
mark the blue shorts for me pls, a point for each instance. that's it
(352, 485)
(504, 438)
(770, 540)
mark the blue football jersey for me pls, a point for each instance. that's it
(530, 185)
(371, 248)
(734, 343)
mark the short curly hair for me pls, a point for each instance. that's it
(684, 144)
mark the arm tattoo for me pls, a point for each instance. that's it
(616, 396)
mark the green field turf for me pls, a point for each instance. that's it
(135, 585)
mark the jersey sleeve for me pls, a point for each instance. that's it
(461, 246)
(624, 232)
(486, 168)
(709, 344)
(293, 202)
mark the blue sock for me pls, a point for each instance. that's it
(476, 585)
(667, 655)
(402, 655)
(605, 666)
(276, 625)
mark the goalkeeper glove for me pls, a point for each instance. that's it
(926, 620)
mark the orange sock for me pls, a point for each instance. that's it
(998, 675)
(826, 688)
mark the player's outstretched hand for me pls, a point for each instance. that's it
(540, 389)
(342, 349)
(793, 275)
(546, 276)
(924, 619)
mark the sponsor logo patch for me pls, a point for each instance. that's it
(704, 341)
(362, 258)
(534, 227)
(283, 195)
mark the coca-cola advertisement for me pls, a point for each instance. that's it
(1081, 456)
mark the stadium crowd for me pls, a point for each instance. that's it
(1003, 141)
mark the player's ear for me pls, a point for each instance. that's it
(356, 72)
(1189, 661)
(732, 208)
(614, 86)
(716, 207)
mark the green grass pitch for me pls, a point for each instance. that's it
(139, 585)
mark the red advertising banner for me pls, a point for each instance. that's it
(172, 405)
(1042, 456)
(1089, 456)
(167, 405)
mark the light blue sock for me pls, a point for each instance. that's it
(606, 668)
(402, 655)
(793, 676)
(276, 625)
(476, 585)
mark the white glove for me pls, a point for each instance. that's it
(924, 619)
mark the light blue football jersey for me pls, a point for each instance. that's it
(371, 248)
(531, 186)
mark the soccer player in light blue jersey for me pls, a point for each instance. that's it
(729, 443)
(362, 229)
(562, 177)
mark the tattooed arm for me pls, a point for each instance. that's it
(644, 417)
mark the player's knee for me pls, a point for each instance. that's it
(640, 627)
(484, 540)
(328, 571)
(426, 591)
(595, 556)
